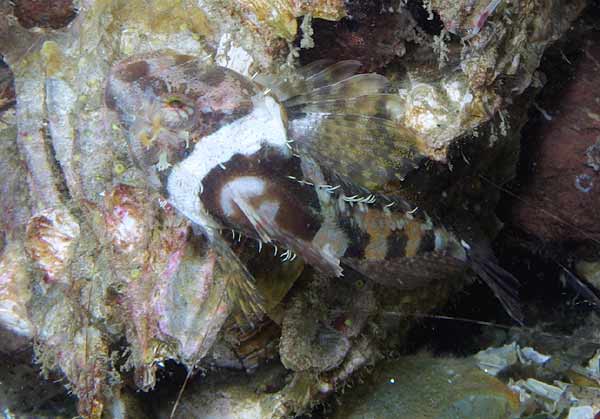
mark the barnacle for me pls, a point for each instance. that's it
(51, 237)
(14, 291)
(584, 182)
(192, 307)
(128, 219)
(593, 156)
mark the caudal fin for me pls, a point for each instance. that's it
(504, 285)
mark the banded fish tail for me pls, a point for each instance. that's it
(396, 247)
(412, 272)
(503, 284)
(407, 250)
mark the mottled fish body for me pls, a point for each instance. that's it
(296, 165)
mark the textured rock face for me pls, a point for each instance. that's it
(373, 39)
(44, 14)
(562, 199)
(111, 282)
(14, 293)
(451, 388)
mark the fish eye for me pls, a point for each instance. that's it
(177, 112)
(175, 102)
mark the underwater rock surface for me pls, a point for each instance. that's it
(565, 151)
(44, 14)
(423, 387)
(560, 383)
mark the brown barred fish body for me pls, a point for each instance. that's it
(295, 165)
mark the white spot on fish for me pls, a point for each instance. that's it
(246, 186)
(245, 136)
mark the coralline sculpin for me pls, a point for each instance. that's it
(291, 163)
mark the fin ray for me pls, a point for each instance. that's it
(581, 287)
(333, 73)
(241, 289)
(354, 86)
(501, 282)
(386, 106)
(310, 77)
(314, 67)
(339, 142)
(269, 231)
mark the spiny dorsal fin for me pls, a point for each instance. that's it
(308, 78)
(336, 116)
(367, 150)
(354, 86)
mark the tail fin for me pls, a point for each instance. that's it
(579, 286)
(501, 282)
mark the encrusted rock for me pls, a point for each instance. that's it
(425, 387)
(374, 39)
(44, 14)
(14, 291)
(561, 200)
(51, 237)
(280, 15)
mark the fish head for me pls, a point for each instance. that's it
(168, 102)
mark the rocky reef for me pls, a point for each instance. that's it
(110, 284)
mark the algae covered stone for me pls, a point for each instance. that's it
(423, 387)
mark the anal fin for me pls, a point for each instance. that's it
(407, 273)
